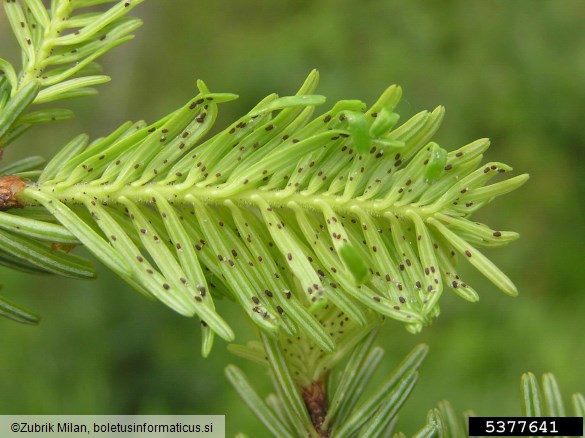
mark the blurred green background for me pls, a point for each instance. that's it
(510, 70)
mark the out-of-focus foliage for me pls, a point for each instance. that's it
(511, 71)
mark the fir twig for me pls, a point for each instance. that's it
(288, 213)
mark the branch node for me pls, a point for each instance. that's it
(10, 186)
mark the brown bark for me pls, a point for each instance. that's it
(315, 399)
(10, 186)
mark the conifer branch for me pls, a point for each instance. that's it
(59, 47)
(289, 213)
(335, 406)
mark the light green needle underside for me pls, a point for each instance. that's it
(287, 212)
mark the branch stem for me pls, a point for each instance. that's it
(79, 193)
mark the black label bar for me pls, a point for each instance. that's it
(525, 426)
